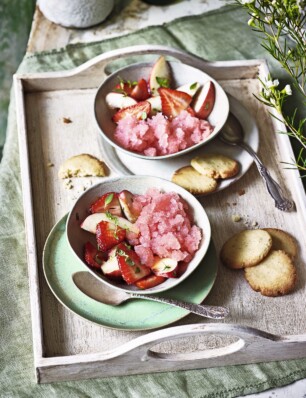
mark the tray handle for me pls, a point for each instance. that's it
(249, 340)
(101, 61)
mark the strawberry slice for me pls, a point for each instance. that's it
(140, 111)
(107, 202)
(191, 111)
(129, 263)
(140, 92)
(173, 101)
(150, 281)
(108, 235)
(94, 257)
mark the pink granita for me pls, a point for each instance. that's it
(158, 135)
(166, 228)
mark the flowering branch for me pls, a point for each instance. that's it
(280, 23)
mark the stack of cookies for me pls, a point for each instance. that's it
(267, 256)
(204, 172)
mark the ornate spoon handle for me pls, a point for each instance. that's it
(208, 311)
(281, 202)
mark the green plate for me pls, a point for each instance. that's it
(59, 263)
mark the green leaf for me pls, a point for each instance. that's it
(129, 261)
(109, 198)
(163, 81)
(193, 86)
(144, 115)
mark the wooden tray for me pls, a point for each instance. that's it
(258, 329)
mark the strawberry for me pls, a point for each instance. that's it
(173, 101)
(140, 92)
(191, 111)
(149, 281)
(140, 111)
(107, 202)
(129, 263)
(108, 235)
(94, 257)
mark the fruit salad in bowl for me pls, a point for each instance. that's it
(160, 110)
(139, 233)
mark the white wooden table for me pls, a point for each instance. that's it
(46, 36)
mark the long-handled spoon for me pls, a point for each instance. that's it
(101, 292)
(232, 133)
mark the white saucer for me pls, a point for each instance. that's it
(124, 164)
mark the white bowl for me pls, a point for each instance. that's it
(181, 74)
(77, 237)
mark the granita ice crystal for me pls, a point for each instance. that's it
(159, 136)
(166, 228)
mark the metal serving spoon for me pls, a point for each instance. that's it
(101, 292)
(232, 133)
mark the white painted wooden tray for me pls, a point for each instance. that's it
(258, 329)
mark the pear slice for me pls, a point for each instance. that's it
(160, 72)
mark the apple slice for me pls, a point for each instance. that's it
(126, 199)
(119, 101)
(156, 104)
(166, 267)
(111, 268)
(90, 223)
(160, 75)
(190, 88)
(204, 100)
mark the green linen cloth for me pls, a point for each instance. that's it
(220, 35)
(15, 23)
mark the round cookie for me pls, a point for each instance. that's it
(281, 240)
(215, 165)
(194, 182)
(83, 165)
(274, 276)
(246, 248)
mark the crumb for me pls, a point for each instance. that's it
(254, 224)
(241, 192)
(236, 217)
(67, 120)
(68, 184)
(50, 164)
(234, 204)
(227, 204)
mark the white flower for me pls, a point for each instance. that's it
(288, 89)
(272, 84)
(246, 1)
(251, 22)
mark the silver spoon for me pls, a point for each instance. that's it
(101, 292)
(232, 133)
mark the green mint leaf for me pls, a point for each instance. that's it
(111, 217)
(163, 81)
(98, 259)
(137, 270)
(129, 261)
(193, 86)
(121, 253)
(109, 198)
